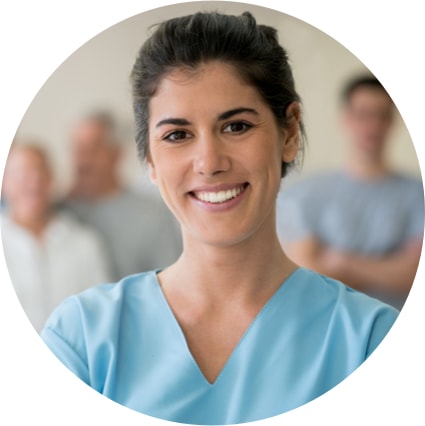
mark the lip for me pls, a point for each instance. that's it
(219, 206)
(218, 187)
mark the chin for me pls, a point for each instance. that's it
(223, 239)
(372, 146)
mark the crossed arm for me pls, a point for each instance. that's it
(393, 273)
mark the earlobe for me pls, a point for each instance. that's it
(292, 132)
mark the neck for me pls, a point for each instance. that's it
(250, 271)
(366, 166)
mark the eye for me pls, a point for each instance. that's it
(237, 127)
(176, 136)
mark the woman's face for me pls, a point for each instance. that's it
(215, 151)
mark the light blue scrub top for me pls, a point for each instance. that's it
(124, 341)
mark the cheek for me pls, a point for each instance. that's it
(164, 170)
(271, 155)
(266, 165)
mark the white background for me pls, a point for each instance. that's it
(37, 36)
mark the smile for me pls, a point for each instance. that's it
(219, 197)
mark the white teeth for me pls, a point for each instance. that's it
(220, 196)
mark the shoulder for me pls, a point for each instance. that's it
(406, 183)
(90, 324)
(83, 326)
(360, 316)
(103, 301)
(324, 288)
(409, 189)
(99, 309)
(407, 179)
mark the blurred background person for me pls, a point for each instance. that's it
(49, 255)
(363, 224)
(139, 230)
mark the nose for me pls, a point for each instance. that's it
(211, 156)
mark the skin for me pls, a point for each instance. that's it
(368, 118)
(232, 262)
(95, 160)
(27, 186)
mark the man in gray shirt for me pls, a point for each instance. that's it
(363, 224)
(139, 231)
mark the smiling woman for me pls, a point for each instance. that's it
(233, 331)
(228, 141)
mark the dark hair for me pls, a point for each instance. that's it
(191, 40)
(359, 82)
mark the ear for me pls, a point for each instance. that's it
(152, 169)
(292, 132)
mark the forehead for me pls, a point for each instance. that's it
(23, 160)
(29, 155)
(370, 97)
(90, 132)
(211, 85)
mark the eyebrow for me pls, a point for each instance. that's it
(174, 121)
(224, 116)
(236, 111)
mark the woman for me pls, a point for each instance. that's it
(233, 331)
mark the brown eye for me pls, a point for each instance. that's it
(237, 127)
(176, 136)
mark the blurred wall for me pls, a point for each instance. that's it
(97, 75)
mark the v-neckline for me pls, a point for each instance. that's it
(182, 338)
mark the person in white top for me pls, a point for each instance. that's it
(49, 255)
